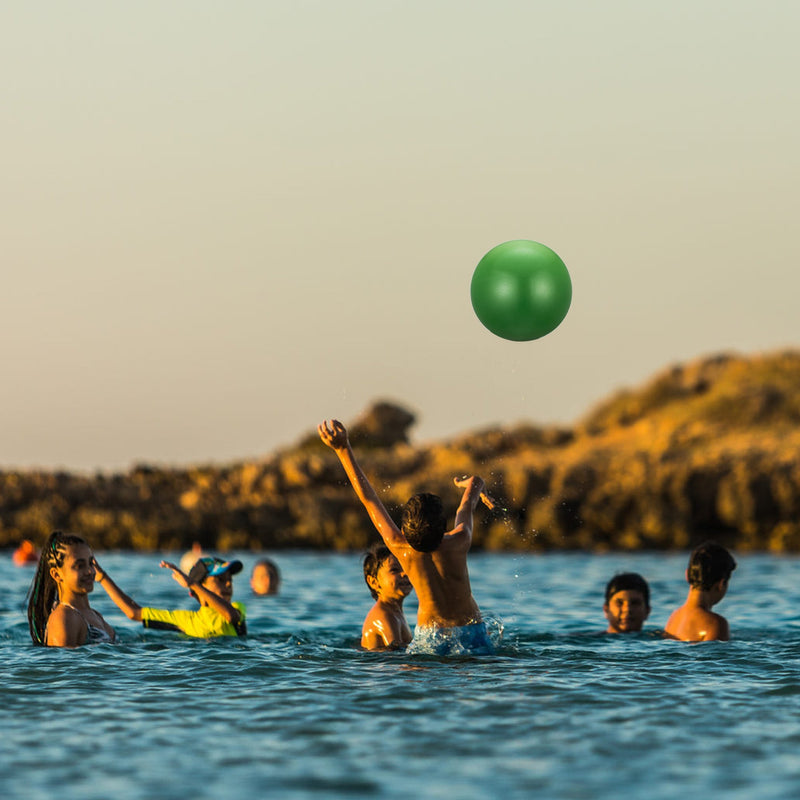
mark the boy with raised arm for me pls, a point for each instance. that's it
(434, 559)
(708, 573)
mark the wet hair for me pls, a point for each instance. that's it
(43, 593)
(424, 523)
(375, 558)
(709, 564)
(628, 582)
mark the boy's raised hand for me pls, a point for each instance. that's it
(179, 576)
(333, 434)
(467, 480)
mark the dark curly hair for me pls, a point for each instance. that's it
(424, 523)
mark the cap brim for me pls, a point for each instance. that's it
(232, 566)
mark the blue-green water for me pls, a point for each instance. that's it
(297, 710)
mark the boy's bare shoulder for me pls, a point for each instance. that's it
(377, 612)
(455, 543)
(697, 625)
(384, 628)
(717, 628)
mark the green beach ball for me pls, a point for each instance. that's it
(521, 290)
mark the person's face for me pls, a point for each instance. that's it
(221, 585)
(626, 611)
(77, 573)
(261, 580)
(391, 583)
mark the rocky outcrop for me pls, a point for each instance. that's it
(708, 449)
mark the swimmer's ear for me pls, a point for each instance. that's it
(372, 582)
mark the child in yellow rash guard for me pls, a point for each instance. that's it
(210, 581)
(204, 623)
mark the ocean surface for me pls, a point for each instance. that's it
(297, 710)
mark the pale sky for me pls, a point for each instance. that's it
(225, 221)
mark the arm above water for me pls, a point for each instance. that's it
(473, 490)
(206, 597)
(334, 434)
(129, 607)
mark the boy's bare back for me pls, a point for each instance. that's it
(695, 624)
(441, 581)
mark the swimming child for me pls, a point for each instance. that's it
(385, 626)
(210, 582)
(59, 614)
(265, 577)
(708, 573)
(434, 559)
(627, 604)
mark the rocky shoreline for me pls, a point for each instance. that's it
(709, 449)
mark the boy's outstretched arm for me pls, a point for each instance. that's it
(334, 434)
(130, 608)
(205, 596)
(473, 489)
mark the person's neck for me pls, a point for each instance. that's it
(700, 598)
(393, 605)
(79, 601)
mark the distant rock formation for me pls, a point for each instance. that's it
(709, 449)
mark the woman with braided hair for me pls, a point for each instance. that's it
(59, 614)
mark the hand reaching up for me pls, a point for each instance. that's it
(333, 434)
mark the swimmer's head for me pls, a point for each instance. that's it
(627, 604)
(383, 573)
(215, 574)
(709, 564)
(375, 557)
(424, 523)
(628, 581)
(265, 577)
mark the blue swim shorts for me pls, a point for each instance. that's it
(467, 640)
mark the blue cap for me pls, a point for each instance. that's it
(211, 567)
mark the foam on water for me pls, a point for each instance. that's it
(298, 710)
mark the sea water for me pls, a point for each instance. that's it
(297, 710)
